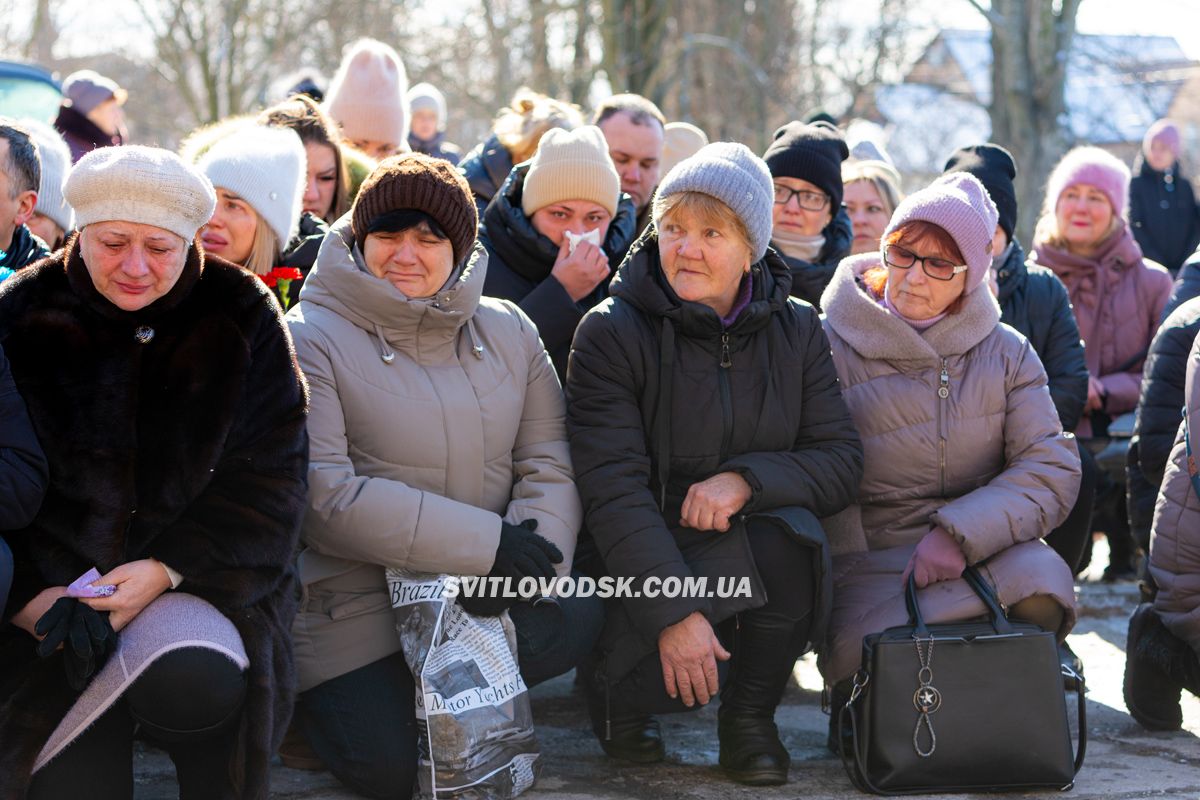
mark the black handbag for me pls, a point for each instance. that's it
(961, 707)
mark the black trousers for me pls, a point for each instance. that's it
(187, 702)
(1071, 539)
(785, 566)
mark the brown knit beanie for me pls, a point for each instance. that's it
(422, 183)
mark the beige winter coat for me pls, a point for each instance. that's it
(986, 459)
(429, 421)
(1175, 537)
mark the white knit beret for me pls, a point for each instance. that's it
(266, 167)
(147, 185)
(55, 158)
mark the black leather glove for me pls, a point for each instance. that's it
(520, 554)
(86, 635)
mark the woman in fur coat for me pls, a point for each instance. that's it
(155, 586)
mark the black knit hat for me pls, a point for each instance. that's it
(812, 153)
(995, 168)
(422, 183)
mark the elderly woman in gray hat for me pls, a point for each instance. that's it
(707, 429)
(154, 587)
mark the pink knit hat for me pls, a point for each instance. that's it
(958, 204)
(1165, 133)
(1095, 167)
(367, 95)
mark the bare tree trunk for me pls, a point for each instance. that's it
(542, 76)
(581, 65)
(1030, 44)
(43, 36)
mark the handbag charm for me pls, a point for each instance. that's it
(927, 699)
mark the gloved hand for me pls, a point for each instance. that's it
(938, 557)
(85, 634)
(521, 553)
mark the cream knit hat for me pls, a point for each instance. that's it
(571, 165)
(367, 95)
(55, 158)
(266, 168)
(680, 140)
(140, 184)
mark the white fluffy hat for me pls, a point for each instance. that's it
(147, 185)
(266, 168)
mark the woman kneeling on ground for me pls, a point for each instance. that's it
(966, 460)
(708, 429)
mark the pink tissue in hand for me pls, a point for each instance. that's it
(81, 587)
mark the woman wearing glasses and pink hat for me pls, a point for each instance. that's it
(965, 461)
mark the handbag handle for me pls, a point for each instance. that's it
(978, 585)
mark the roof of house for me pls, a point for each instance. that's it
(1116, 87)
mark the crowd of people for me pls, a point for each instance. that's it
(241, 382)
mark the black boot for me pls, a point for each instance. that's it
(1158, 666)
(765, 650)
(839, 695)
(622, 734)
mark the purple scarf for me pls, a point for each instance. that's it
(740, 302)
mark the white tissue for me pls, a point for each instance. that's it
(592, 237)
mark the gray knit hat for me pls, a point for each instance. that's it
(55, 158)
(140, 184)
(731, 173)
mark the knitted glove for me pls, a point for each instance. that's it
(85, 634)
(937, 558)
(520, 554)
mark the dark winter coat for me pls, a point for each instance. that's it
(809, 279)
(190, 449)
(651, 410)
(23, 471)
(486, 167)
(520, 260)
(23, 250)
(1034, 301)
(437, 147)
(82, 135)
(1158, 414)
(301, 255)
(1163, 214)
(1187, 284)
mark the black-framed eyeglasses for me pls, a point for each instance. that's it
(939, 269)
(808, 200)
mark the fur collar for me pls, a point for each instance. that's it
(877, 334)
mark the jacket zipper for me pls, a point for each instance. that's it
(726, 398)
(943, 393)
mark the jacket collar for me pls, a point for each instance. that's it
(1012, 272)
(874, 333)
(424, 329)
(640, 281)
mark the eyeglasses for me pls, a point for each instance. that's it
(937, 268)
(809, 201)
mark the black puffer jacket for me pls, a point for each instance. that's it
(661, 396)
(1158, 415)
(23, 470)
(520, 260)
(23, 250)
(809, 279)
(1163, 214)
(301, 254)
(437, 147)
(1187, 285)
(486, 167)
(1034, 301)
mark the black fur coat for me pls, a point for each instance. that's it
(190, 448)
